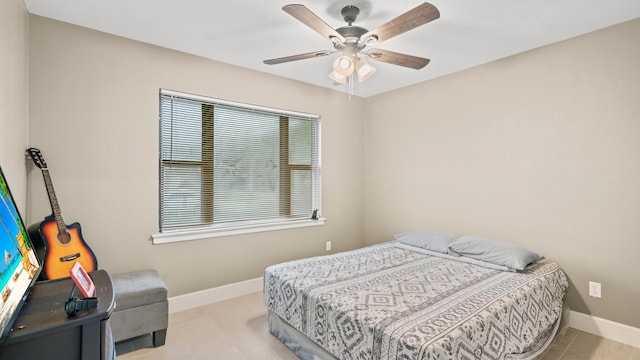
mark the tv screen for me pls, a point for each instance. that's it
(19, 267)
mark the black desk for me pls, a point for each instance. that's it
(44, 331)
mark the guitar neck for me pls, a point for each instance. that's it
(55, 208)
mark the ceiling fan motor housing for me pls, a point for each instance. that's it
(351, 35)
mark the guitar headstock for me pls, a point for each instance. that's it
(37, 158)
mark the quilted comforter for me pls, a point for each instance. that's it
(389, 302)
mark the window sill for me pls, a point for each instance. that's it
(211, 232)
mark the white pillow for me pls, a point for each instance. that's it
(494, 251)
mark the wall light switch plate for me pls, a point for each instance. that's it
(328, 246)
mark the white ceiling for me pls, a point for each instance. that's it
(245, 32)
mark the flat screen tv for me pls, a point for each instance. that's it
(19, 266)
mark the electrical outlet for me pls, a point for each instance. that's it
(595, 289)
(328, 245)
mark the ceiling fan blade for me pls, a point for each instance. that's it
(310, 55)
(395, 58)
(310, 19)
(418, 16)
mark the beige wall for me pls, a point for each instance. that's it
(14, 52)
(541, 149)
(94, 115)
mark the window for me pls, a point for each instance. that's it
(231, 168)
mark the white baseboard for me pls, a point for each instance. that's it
(594, 325)
(606, 328)
(208, 296)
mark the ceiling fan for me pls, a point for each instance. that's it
(352, 40)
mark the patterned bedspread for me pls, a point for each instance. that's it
(388, 302)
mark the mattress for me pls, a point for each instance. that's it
(391, 301)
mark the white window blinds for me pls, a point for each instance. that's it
(224, 164)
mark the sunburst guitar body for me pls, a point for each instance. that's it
(58, 245)
(60, 250)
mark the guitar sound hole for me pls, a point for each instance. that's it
(64, 237)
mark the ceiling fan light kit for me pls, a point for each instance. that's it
(338, 79)
(364, 69)
(343, 65)
(342, 69)
(352, 40)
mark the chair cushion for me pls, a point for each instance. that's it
(138, 288)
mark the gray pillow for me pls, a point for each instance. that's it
(431, 240)
(494, 251)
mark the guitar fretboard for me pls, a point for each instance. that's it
(55, 208)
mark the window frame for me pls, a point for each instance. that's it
(213, 230)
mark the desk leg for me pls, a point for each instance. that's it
(91, 340)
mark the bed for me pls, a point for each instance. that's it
(399, 301)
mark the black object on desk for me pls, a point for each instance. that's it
(44, 331)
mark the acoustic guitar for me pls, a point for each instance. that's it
(60, 245)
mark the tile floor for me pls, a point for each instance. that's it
(236, 329)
